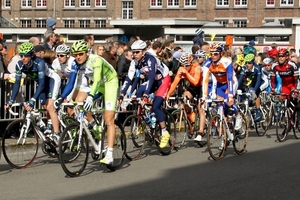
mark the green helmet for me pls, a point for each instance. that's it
(26, 48)
(80, 46)
(249, 57)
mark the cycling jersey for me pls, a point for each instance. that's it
(288, 72)
(266, 80)
(250, 78)
(35, 70)
(64, 68)
(223, 72)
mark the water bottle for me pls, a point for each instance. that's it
(153, 121)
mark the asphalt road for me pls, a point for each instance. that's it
(268, 170)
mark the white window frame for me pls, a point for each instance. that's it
(240, 4)
(222, 3)
(103, 3)
(221, 21)
(240, 23)
(285, 3)
(270, 5)
(173, 3)
(128, 9)
(84, 23)
(26, 3)
(40, 23)
(69, 22)
(190, 3)
(70, 3)
(42, 3)
(156, 3)
(28, 22)
(6, 2)
(85, 2)
(101, 24)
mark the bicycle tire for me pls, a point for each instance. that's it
(282, 125)
(74, 158)
(181, 128)
(216, 141)
(19, 155)
(240, 140)
(170, 125)
(135, 137)
(119, 152)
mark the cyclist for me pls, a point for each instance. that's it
(158, 78)
(222, 69)
(94, 75)
(250, 80)
(266, 75)
(34, 68)
(192, 74)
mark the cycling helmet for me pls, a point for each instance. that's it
(216, 47)
(62, 49)
(200, 54)
(80, 46)
(185, 59)
(283, 51)
(249, 58)
(267, 61)
(138, 45)
(26, 48)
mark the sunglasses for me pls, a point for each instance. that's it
(26, 56)
(136, 52)
(61, 55)
(215, 53)
(281, 55)
(267, 65)
(249, 63)
(77, 54)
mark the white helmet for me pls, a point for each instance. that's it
(267, 61)
(62, 49)
(200, 54)
(138, 45)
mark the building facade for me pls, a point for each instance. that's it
(264, 21)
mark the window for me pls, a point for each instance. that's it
(222, 2)
(85, 3)
(41, 3)
(240, 23)
(173, 2)
(26, 3)
(84, 23)
(26, 23)
(100, 23)
(6, 3)
(69, 3)
(240, 2)
(156, 3)
(190, 2)
(100, 3)
(269, 20)
(69, 23)
(40, 23)
(127, 10)
(270, 3)
(223, 22)
(286, 2)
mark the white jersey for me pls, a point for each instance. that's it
(65, 68)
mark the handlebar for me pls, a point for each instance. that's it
(33, 112)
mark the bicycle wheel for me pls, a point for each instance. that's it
(181, 127)
(19, 152)
(267, 114)
(240, 140)
(135, 137)
(282, 124)
(216, 138)
(170, 125)
(119, 151)
(73, 151)
(297, 128)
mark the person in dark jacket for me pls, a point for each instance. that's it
(199, 38)
(124, 64)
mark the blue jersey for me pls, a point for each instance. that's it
(35, 70)
(250, 78)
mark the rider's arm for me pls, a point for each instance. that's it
(258, 78)
(129, 77)
(205, 83)
(18, 76)
(174, 83)
(196, 78)
(229, 71)
(71, 83)
(241, 77)
(151, 75)
(41, 79)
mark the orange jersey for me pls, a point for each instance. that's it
(193, 75)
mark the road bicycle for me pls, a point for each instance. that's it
(140, 131)
(75, 140)
(21, 138)
(221, 132)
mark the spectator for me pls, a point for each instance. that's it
(110, 54)
(178, 48)
(121, 48)
(132, 40)
(50, 39)
(89, 38)
(4, 73)
(13, 61)
(195, 48)
(100, 50)
(156, 48)
(199, 38)
(51, 25)
(34, 40)
(273, 52)
(124, 64)
(169, 44)
(39, 51)
(149, 44)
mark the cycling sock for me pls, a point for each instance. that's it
(164, 131)
(109, 152)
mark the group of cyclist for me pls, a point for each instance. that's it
(204, 73)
